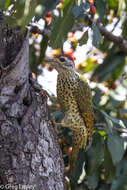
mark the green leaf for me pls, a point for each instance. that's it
(22, 12)
(58, 116)
(105, 45)
(48, 5)
(121, 7)
(97, 96)
(109, 168)
(79, 11)
(108, 121)
(114, 102)
(43, 46)
(126, 4)
(120, 181)
(7, 4)
(110, 65)
(78, 167)
(28, 16)
(62, 26)
(101, 7)
(2, 4)
(89, 66)
(95, 154)
(96, 35)
(113, 3)
(109, 125)
(83, 39)
(124, 26)
(123, 112)
(33, 60)
(114, 120)
(118, 122)
(18, 10)
(93, 180)
(116, 147)
(117, 72)
(65, 3)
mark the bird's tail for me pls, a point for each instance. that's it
(79, 141)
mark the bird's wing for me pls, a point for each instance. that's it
(84, 101)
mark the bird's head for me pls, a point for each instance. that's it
(61, 63)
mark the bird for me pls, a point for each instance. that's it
(75, 99)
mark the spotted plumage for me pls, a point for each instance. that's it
(74, 96)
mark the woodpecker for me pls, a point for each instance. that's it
(75, 99)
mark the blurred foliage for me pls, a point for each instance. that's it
(61, 26)
(105, 64)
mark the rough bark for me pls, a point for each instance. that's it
(29, 153)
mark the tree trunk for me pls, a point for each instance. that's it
(29, 153)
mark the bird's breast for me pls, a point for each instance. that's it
(66, 88)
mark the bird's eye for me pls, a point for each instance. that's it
(62, 59)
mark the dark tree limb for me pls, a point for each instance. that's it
(29, 152)
(118, 40)
(101, 126)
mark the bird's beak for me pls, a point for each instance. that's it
(49, 60)
(52, 62)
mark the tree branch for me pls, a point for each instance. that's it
(118, 40)
(101, 126)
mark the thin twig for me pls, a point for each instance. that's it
(115, 25)
(118, 40)
(98, 126)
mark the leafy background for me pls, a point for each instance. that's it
(104, 65)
